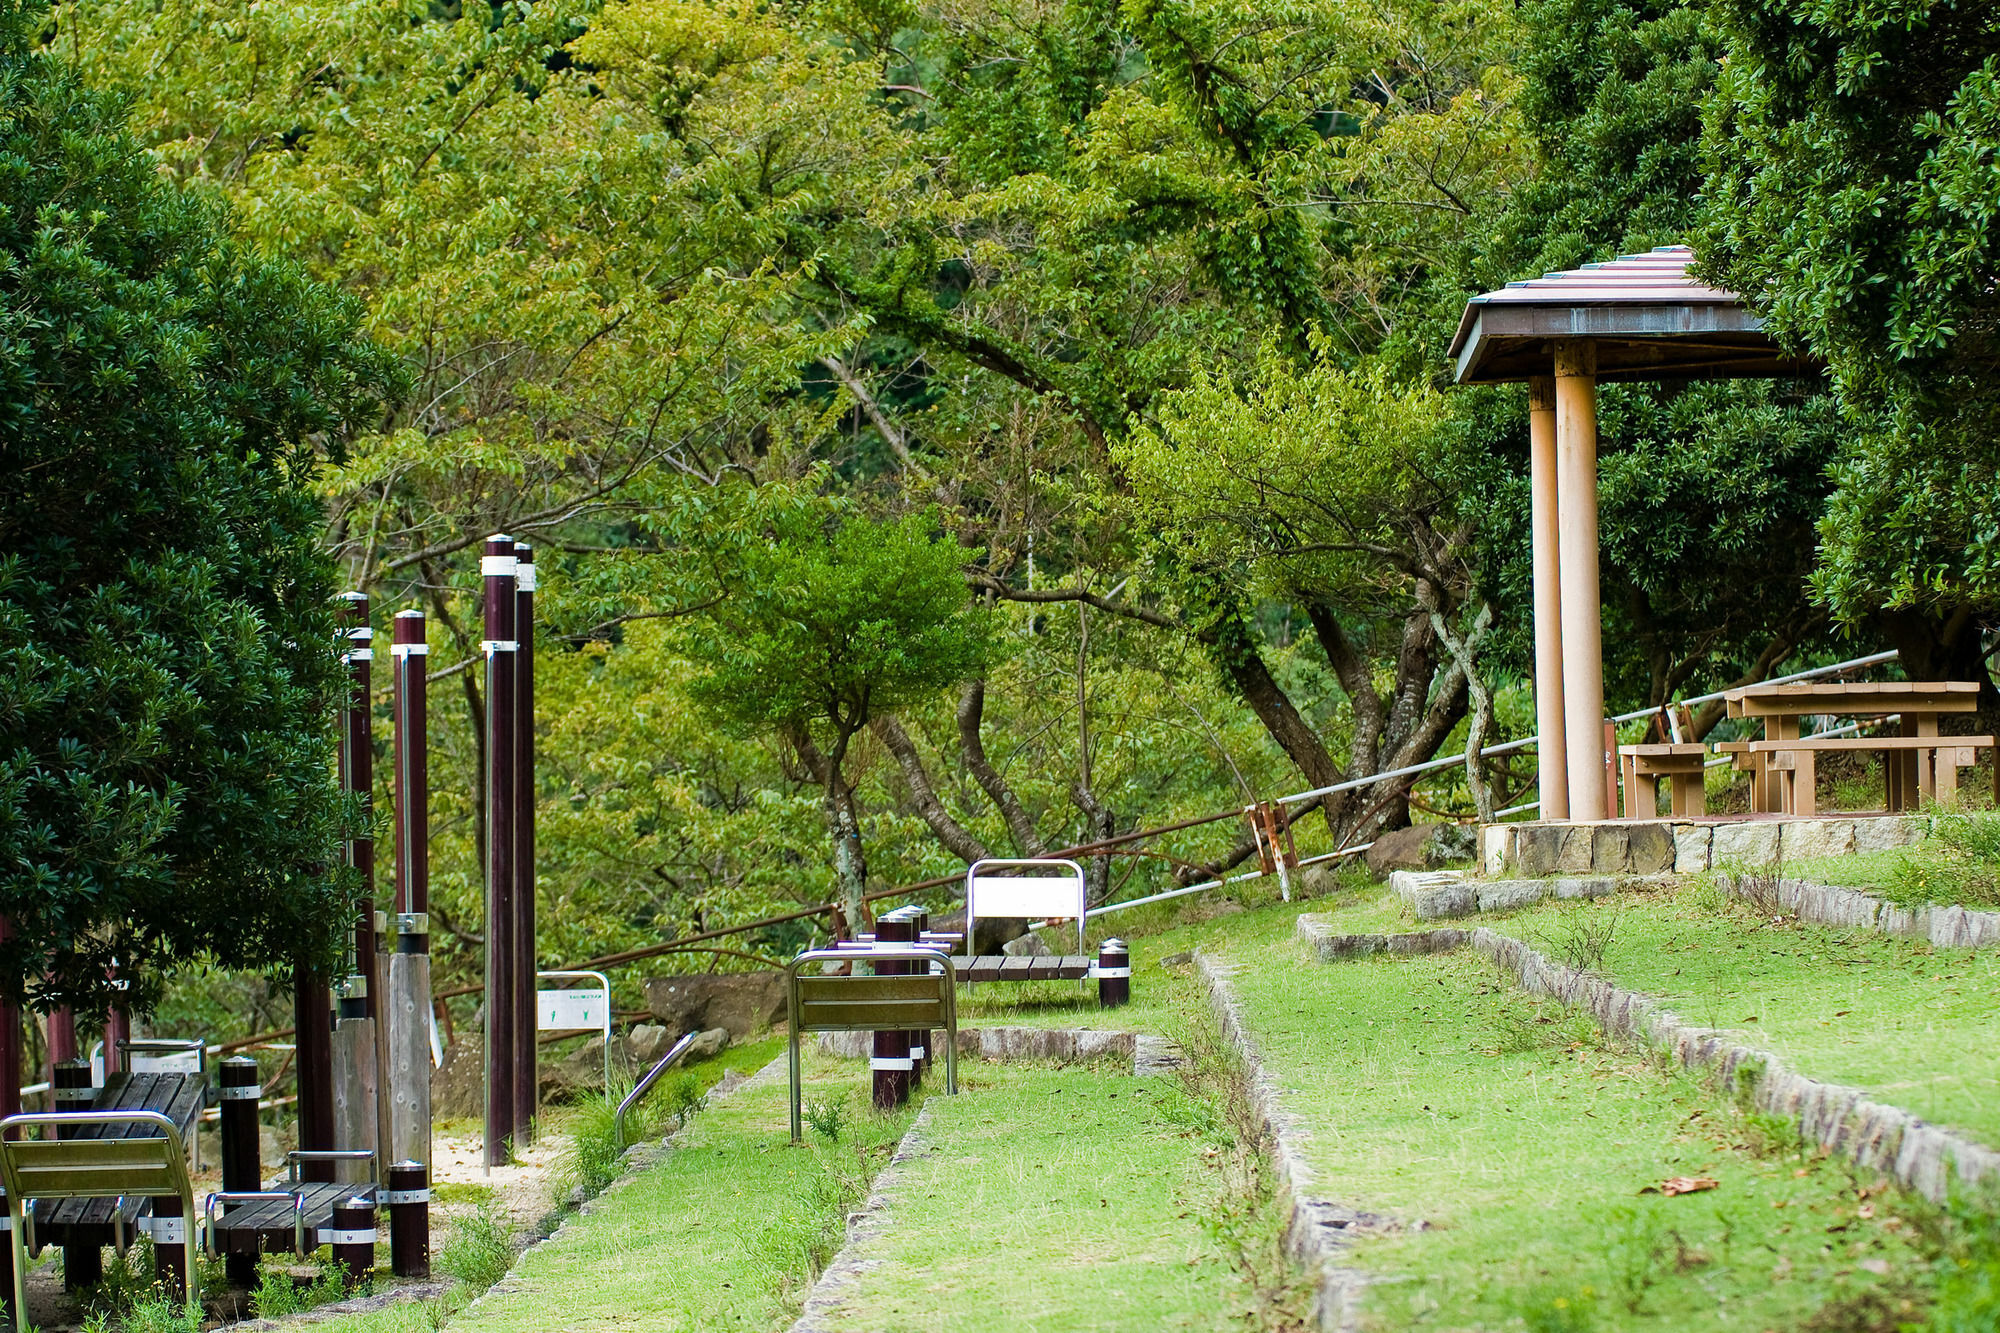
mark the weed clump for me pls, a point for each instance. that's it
(477, 1251)
(279, 1294)
(829, 1116)
(1960, 865)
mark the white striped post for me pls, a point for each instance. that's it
(497, 570)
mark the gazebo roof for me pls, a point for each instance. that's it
(1649, 319)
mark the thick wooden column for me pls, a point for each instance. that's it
(1576, 556)
(1551, 754)
(497, 569)
(526, 1079)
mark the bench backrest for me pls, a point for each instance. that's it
(94, 1168)
(925, 999)
(1044, 889)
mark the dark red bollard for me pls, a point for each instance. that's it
(409, 1199)
(900, 927)
(889, 1066)
(920, 1039)
(242, 1152)
(170, 1244)
(352, 1235)
(1114, 974)
(83, 1261)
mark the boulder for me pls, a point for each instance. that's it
(740, 1003)
(1398, 849)
(707, 1045)
(993, 933)
(1451, 844)
(1030, 945)
(458, 1086)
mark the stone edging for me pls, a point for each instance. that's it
(837, 1284)
(1449, 893)
(1314, 1228)
(1014, 1043)
(1332, 946)
(1917, 1154)
(1951, 927)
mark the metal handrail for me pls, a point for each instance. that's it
(227, 1197)
(297, 1155)
(645, 1085)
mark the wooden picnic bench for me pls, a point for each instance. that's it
(1680, 763)
(1917, 764)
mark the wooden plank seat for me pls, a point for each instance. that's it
(1935, 759)
(1004, 967)
(276, 1221)
(113, 1220)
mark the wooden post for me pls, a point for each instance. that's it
(1576, 558)
(408, 1195)
(1114, 974)
(83, 1262)
(170, 1244)
(889, 1067)
(357, 775)
(497, 570)
(920, 1039)
(242, 1152)
(1610, 734)
(351, 1232)
(312, 1008)
(1551, 754)
(406, 1070)
(527, 1086)
(355, 1076)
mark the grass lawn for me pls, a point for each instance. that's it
(716, 1236)
(1053, 1199)
(1524, 1143)
(1915, 1025)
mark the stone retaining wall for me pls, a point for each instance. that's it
(1659, 846)
(1061, 1045)
(1433, 894)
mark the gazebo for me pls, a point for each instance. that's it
(1637, 317)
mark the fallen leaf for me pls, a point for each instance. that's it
(1688, 1184)
(1865, 1210)
(1842, 1013)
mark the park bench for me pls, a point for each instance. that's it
(1918, 764)
(99, 1156)
(923, 998)
(167, 1078)
(1680, 763)
(292, 1218)
(1052, 890)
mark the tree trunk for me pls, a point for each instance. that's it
(971, 711)
(843, 824)
(954, 835)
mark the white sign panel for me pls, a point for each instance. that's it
(571, 1010)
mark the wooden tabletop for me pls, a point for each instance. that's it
(1854, 699)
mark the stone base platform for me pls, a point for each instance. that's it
(1682, 846)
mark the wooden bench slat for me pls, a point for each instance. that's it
(1823, 743)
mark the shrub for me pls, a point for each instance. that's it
(478, 1250)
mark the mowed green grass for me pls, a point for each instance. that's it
(1052, 1199)
(1525, 1146)
(1914, 1025)
(710, 1237)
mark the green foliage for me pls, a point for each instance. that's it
(477, 1251)
(1959, 865)
(166, 638)
(279, 1293)
(829, 1115)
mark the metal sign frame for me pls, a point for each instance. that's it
(604, 982)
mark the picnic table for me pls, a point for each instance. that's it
(1918, 763)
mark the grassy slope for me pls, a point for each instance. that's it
(1916, 1025)
(702, 1241)
(1053, 1199)
(1435, 1094)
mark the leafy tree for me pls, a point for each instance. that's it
(827, 623)
(1853, 194)
(168, 661)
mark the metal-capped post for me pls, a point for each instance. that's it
(357, 774)
(242, 1151)
(408, 1195)
(1114, 974)
(526, 1086)
(352, 1234)
(889, 1063)
(497, 569)
(83, 1262)
(406, 1002)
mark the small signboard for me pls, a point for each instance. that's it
(577, 1009)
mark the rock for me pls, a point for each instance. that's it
(1398, 849)
(1434, 893)
(1691, 843)
(1030, 945)
(1652, 848)
(1579, 846)
(1181, 959)
(458, 1086)
(1451, 844)
(1886, 831)
(741, 1003)
(1496, 849)
(1808, 838)
(1537, 848)
(993, 932)
(646, 1043)
(1749, 844)
(707, 1045)
(1317, 880)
